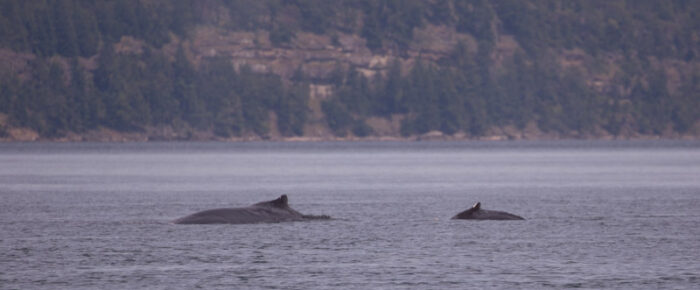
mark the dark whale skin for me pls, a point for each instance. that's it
(273, 211)
(476, 213)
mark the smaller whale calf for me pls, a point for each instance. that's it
(273, 211)
(476, 213)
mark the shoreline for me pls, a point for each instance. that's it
(10, 134)
(126, 137)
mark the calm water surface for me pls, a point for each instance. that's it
(599, 215)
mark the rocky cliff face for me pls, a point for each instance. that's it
(317, 57)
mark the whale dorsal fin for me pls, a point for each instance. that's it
(281, 201)
(477, 206)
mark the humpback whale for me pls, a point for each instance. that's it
(273, 211)
(476, 213)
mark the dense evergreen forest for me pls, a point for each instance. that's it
(76, 79)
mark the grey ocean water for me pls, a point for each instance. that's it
(599, 215)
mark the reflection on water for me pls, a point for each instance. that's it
(599, 215)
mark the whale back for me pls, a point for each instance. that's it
(276, 210)
(476, 213)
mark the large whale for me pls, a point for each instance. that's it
(476, 213)
(273, 211)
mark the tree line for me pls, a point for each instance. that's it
(130, 92)
(464, 91)
(461, 95)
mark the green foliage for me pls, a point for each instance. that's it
(462, 96)
(281, 35)
(462, 92)
(595, 26)
(75, 27)
(292, 110)
(475, 17)
(337, 116)
(130, 92)
(314, 15)
(361, 129)
(392, 21)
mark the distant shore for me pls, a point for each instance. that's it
(168, 134)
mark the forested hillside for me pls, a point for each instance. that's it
(276, 69)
